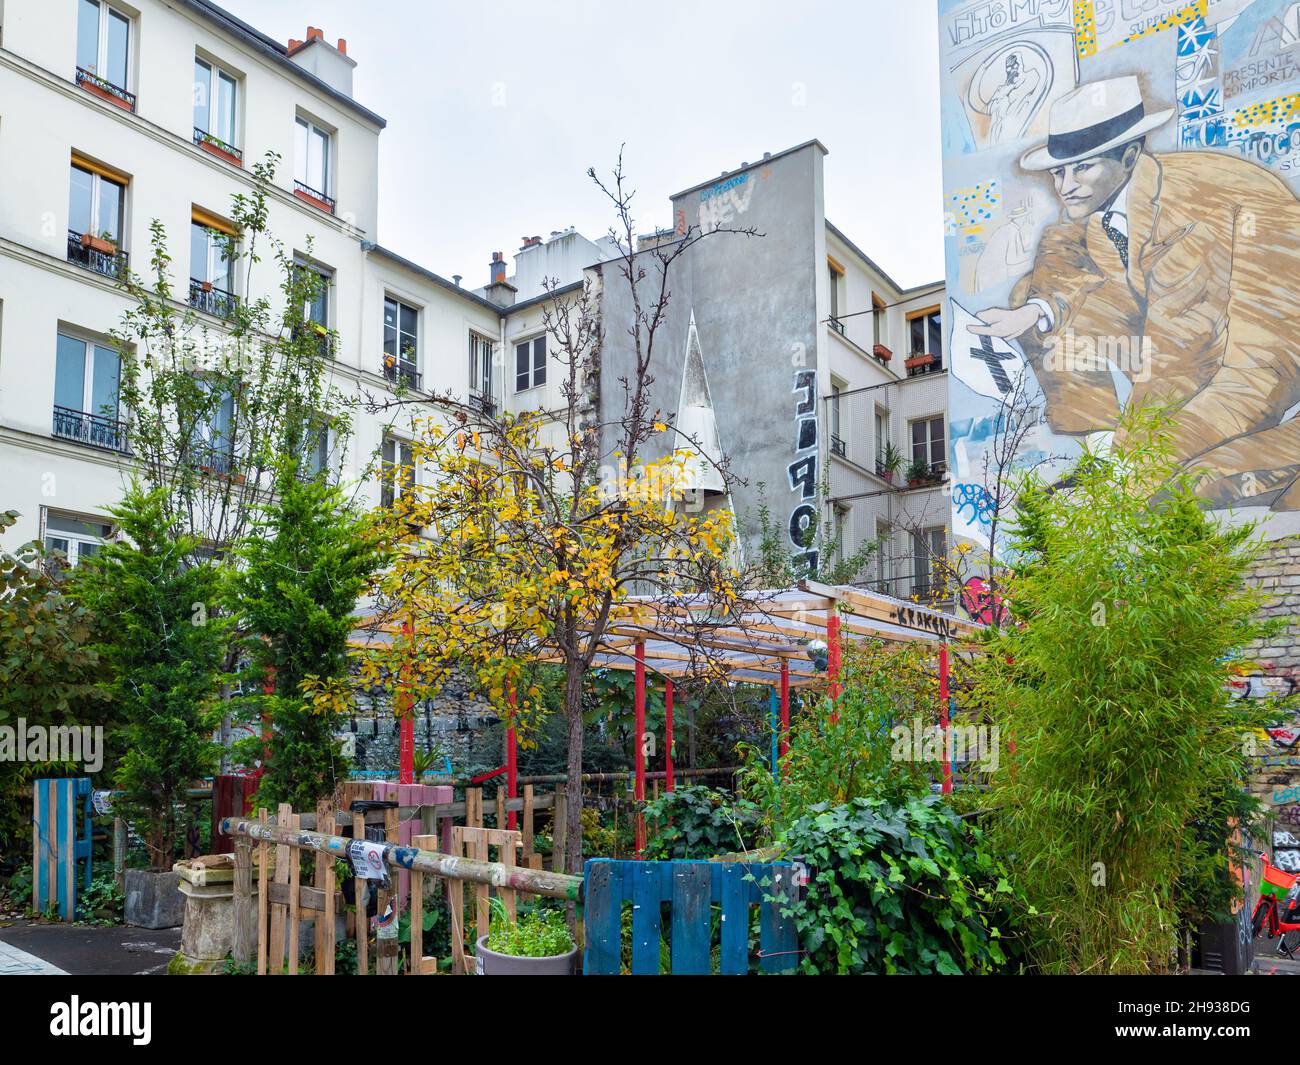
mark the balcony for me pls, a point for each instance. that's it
(91, 429)
(839, 447)
(313, 196)
(96, 254)
(921, 475)
(483, 403)
(214, 145)
(836, 324)
(206, 297)
(403, 373)
(215, 459)
(106, 90)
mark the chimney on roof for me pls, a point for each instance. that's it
(456, 278)
(531, 242)
(498, 289)
(318, 57)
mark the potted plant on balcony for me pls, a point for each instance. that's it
(918, 473)
(890, 463)
(104, 243)
(882, 353)
(918, 360)
(535, 944)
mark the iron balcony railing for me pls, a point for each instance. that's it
(202, 136)
(838, 446)
(92, 429)
(402, 372)
(837, 325)
(315, 194)
(206, 297)
(484, 403)
(214, 458)
(934, 365)
(87, 79)
(111, 264)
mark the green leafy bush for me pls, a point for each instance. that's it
(538, 933)
(844, 751)
(699, 822)
(903, 887)
(1132, 607)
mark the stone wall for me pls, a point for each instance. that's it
(1277, 775)
(449, 724)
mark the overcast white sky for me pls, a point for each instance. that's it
(496, 109)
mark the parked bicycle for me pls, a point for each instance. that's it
(1278, 909)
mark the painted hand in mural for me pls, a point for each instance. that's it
(1007, 324)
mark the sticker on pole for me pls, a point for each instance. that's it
(367, 859)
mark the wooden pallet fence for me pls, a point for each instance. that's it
(692, 888)
(60, 839)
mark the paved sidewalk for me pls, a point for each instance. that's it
(86, 950)
(15, 962)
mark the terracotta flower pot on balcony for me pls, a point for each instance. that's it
(882, 353)
(99, 244)
(918, 360)
(220, 152)
(206, 286)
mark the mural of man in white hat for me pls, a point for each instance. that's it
(1196, 255)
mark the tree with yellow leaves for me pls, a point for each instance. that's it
(528, 535)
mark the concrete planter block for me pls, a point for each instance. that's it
(153, 899)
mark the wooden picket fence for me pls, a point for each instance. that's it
(425, 842)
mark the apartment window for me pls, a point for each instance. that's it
(841, 519)
(212, 270)
(928, 445)
(317, 452)
(214, 436)
(87, 377)
(882, 439)
(480, 366)
(836, 278)
(926, 333)
(74, 538)
(884, 562)
(838, 446)
(312, 163)
(315, 283)
(877, 320)
(397, 476)
(104, 51)
(96, 213)
(401, 343)
(530, 363)
(929, 546)
(214, 109)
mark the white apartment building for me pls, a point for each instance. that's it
(886, 396)
(114, 115)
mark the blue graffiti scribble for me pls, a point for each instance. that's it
(975, 497)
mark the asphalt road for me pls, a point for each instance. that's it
(87, 950)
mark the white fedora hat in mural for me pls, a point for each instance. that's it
(1092, 119)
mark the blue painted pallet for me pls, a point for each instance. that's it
(60, 806)
(692, 889)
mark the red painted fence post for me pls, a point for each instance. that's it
(406, 721)
(943, 716)
(668, 733)
(639, 746)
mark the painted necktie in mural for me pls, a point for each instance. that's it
(1120, 179)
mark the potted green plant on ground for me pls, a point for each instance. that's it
(536, 943)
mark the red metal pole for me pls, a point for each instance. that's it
(833, 659)
(512, 748)
(785, 709)
(943, 715)
(668, 733)
(406, 721)
(639, 740)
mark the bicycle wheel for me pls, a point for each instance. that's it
(1289, 944)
